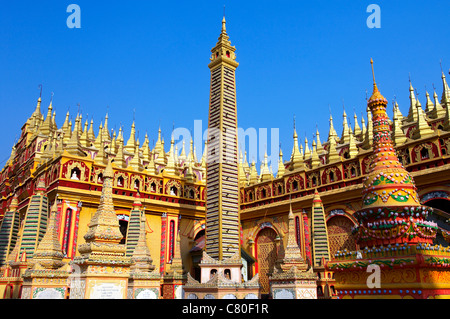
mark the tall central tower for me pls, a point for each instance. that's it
(221, 263)
(222, 187)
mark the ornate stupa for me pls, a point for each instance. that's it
(291, 277)
(46, 277)
(397, 257)
(103, 265)
(391, 211)
(144, 282)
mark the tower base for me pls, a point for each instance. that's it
(144, 286)
(293, 284)
(221, 280)
(40, 283)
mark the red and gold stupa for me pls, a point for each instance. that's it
(391, 213)
(397, 257)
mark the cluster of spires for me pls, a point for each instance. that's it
(130, 154)
(102, 238)
(82, 141)
(354, 140)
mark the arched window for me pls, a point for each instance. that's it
(297, 230)
(353, 172)
(212, 273)
(263, 193)
(319, 291)
(153, 187)
(280, 190)
(314, 181)
(227, 274)
(67, 227)
(173, 191)
(424, 155)
(295, 186)
(100, 178)
(75, 173)
(191, 194)
(123, 225)
(171, 240)
(120, 181)
(331, 176)
(136, 184)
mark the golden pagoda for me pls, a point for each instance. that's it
(235, 215)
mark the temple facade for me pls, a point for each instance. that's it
(250, 219)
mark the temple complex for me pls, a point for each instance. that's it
(112, 216)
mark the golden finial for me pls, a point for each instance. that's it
(224, 28)
(373, 72)
(376, 94)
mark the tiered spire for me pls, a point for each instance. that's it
(422, 129)
(131, 144)
(389, 189)
(398, 134)
(315, 160)
(281, 168)
(320, 243)
(333, 155)
(412, 115)
(49, 254)
(141, 259)
(345, 138)
(171, 164)
(136, 162)
(265, 172)
(438, 110)
(74, 145)
(103, 235)
(297, 156)
(291, 256)
(35, 220)
(176, 268)
(47, 127)
(9, 230)
(357, 130)
(352, 148)
(445, 99)
(332, 132)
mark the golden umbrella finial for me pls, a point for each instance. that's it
(373, 72)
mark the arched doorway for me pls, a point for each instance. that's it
(441, 216)
(340, 234)
(123, 225)
(196, 254)
(266, 254)
(439, 203)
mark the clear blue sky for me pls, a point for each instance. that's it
(296, 57)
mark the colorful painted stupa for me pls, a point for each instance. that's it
(397, 257)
